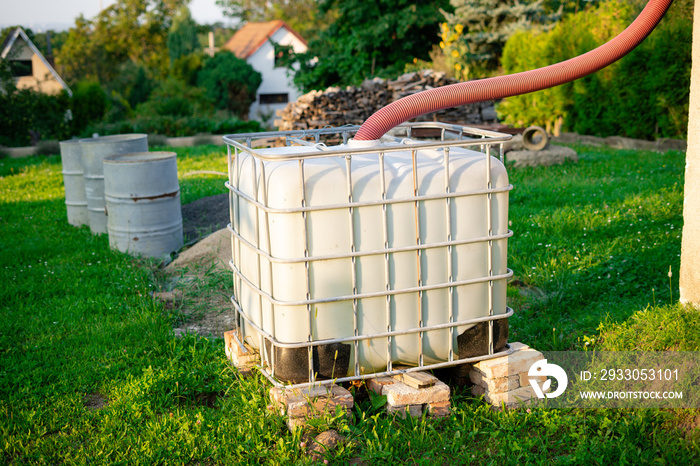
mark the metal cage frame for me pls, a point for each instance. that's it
(450, 136)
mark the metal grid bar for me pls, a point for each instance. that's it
(448, 230)
(307, 267)
(328, 341)
(427, 367)
(353, 261)
(404, 200)
(375, 252)
(387, 264)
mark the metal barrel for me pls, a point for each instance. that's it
(94, 151)
(72, 162)
(142, 195)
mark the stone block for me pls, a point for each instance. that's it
(512, 398)
(512, 364)
(311, 402)
(243, 358)
(403, 410)
(400, 394)
(553, 155)
(377, 384)
(525, 379)
(499, 385)
(439, 409)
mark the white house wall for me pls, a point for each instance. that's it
(275, 80)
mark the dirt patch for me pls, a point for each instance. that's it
(196, 287)
(204, 216)
(94, 401)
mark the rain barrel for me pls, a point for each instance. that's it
(142, 196)
(370, 253)
(74, 183)
(94, 151)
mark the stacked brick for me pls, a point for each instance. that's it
(505, 380)
(432, 398)
(300, 405)
(244, 358)
(353, 105)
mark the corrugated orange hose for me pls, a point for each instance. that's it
(515, 84)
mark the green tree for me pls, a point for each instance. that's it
(133, 82)
(182, 36)
(368, 39)
(303, 16)
(26, 111)
(187, 67)
(230, 82)
(173, 98)
(474, 35)
(133, 30)
(655, 77)
(89, 104)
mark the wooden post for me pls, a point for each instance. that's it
(690, 247)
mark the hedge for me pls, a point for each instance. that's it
(644, 95)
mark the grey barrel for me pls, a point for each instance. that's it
(74, 183)
(94, 151)
(142, 196)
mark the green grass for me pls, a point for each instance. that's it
(592, 248)
(597, 239)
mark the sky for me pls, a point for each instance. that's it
(60, 14)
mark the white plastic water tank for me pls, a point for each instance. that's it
(418, 241)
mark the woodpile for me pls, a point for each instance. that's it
(353, 105)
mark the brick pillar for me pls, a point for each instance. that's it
(690, 247)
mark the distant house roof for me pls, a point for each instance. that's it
(247, 40)
(9, 44)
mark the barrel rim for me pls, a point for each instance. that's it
(70, 141)
(112, 138)
(140, 157)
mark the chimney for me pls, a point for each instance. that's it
(211, 50)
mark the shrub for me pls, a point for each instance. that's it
(173, 98)
(186, 68)
(230, 82)
(49, 147)
(25, 111)
(90, 103)
(644, 95)
(174, 127)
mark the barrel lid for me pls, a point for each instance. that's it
(113, 138)
(139, 157)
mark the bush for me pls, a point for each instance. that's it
(50, 147)
(174, 127)
(644, 95)
(230, 82)
(90, 103)
(25, 111)
(186, 68)
(174, 98)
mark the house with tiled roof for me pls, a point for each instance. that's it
(30, 69)
(254, 42)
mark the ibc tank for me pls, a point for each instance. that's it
(74, 183)
(142, 196)
(94, 151)
(380, 240)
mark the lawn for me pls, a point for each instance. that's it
(91, 372)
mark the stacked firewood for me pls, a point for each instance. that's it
(353, 105)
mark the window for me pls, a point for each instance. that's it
(21, 68)
(266, 99)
